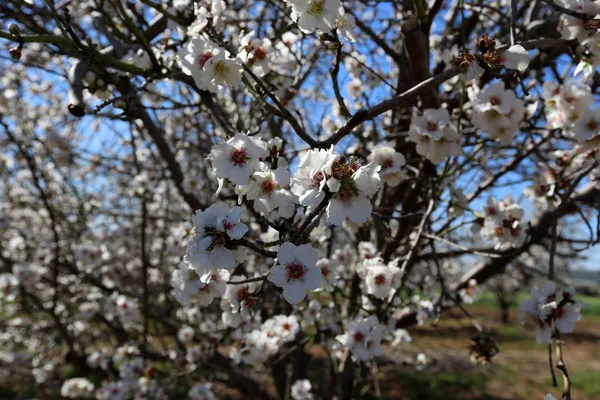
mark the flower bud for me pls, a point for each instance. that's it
(275, 144)
(463, 60)
(76, 110)
(491, 58)
(15, 53)
(485, 43)
(14, 30)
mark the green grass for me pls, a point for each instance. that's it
(588, 382)
(443, 386)
(591, 306)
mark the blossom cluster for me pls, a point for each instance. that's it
(435, 135)
(548, 309)
(258, 345)
(502, 223)
(239, 223)
(585, 31)
(322, 15)
(497, 111)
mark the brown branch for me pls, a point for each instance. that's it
(334, 71)
(538, 232)
(397, 101)
(567, 11)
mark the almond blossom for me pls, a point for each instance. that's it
(267, 188)
(516, 57)
(256, 53)
(77, 388)
(312, 15)
(237, 301)
(363, 338)
(381, 279)
(216, 286)
(435, 135)
(215, 228)
(185, 282)
(565, 102)
(201, 391)
(503, 223)
(296, 271)
(547, 308)
(497, 111)
(309, 180)
(587, 126)
(391, 163)
(238, 157)
(301, 390)
(351, 185)
(209, 65)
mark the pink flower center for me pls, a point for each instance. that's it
(380, 279)
(432, 126)
(242, 293)
(260, 53)
(345, 195)
(218, 239)
(317, 178)
(238, 157)
(559, 312)
(499, 231)
(295, 271)
(286, 326)
(389, 163)
(495, 101)
(204, 57)
(541, 323)
(250, 301)
(358, 337)
(267, 186)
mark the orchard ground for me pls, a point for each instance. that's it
(519, 371)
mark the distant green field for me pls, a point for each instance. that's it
(591, 303)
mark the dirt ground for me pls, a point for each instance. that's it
(519, 371)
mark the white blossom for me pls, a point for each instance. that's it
(77, 388)
(301, 390)
(296, 271)
(435, 135)
(391, 163)
(516, 57)
(497, 111)
(215, 228)
(363, 338)
(237, 158)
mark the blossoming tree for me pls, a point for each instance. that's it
(207, 191)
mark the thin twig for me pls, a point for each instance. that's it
(334, 71)
(397, 101)
(572, 13)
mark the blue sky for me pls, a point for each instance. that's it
(106, 134)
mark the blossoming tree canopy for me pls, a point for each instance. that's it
(199, 196)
